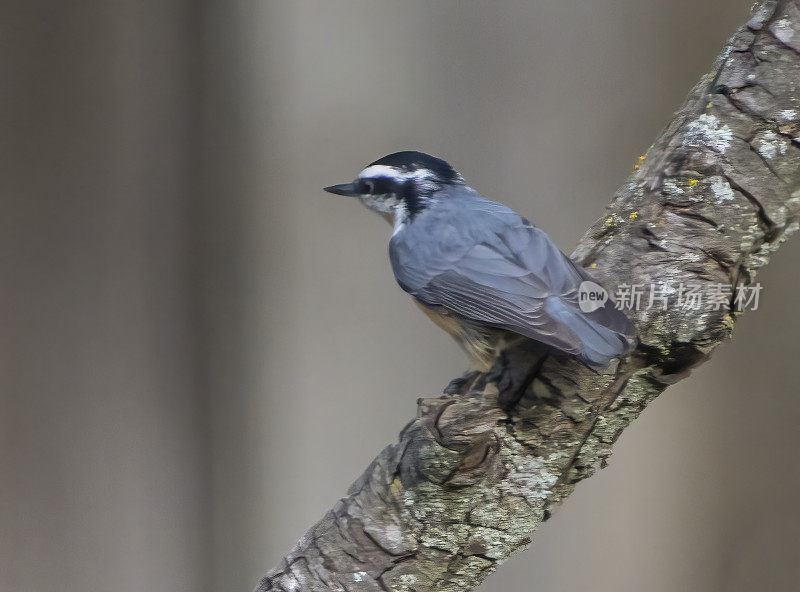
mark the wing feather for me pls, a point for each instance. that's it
(490, 265)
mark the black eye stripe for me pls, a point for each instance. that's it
(378, 186)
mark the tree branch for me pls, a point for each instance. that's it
(468, 482)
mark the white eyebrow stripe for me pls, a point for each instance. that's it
(381, 170)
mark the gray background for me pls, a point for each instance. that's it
(200, 350)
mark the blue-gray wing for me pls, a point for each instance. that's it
(500, 270)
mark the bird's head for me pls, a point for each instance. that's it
(400, 185)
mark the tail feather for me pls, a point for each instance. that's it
(596, 342)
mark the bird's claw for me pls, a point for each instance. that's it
(463, 384)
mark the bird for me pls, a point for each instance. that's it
(482, 272)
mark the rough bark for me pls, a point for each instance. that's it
(468, 483)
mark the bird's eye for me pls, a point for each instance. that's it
(367, 187)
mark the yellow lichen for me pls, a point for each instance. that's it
(593, 266)
(640, 161)
(396, 487)
(693, 182)
(633, 215)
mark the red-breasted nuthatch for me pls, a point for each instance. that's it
(482, 272)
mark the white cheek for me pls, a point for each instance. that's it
(382, 206)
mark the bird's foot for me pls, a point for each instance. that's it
(514, 371)
(463, 384)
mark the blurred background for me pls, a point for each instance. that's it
(200, 350)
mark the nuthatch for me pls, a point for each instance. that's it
(480, 271)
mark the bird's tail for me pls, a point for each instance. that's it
(602, 335)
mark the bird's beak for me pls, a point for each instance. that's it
(348, 189)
